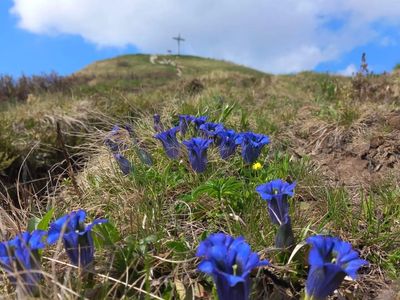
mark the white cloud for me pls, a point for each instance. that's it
(387, 41)
(275, 36)
(349, 70)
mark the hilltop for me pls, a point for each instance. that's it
(337, 137)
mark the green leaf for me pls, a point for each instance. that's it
(219, 188)
(45, 221)
(177, 246)
(42, 224)
(33, 223)
(144, 156)
(226, 112)
(105, 234)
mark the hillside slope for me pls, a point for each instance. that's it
(337, 137)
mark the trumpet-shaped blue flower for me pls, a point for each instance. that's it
(170, 142)
(184, 121)
(118, 138)
(158, 127)
(331, 259)
(197, 148)
(276, 194)
(77, 237)
(227, 143)
(113, 146)
(123, 163)
(21, 255)
(198, 121)
(252, 144)
(210, 130)
(229, 261)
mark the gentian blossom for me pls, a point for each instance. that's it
(21, 255)
(170, 142)
(197, 148)
(276, 193)
(252, 144)
(210, 130)
(118, 138)
(123, 163)
(229, 261)
(129, 129)
(198, 121)
(113, 146)
(157, 125)
(184, 121)
(76, 236)
(331, 259)
(227, 143)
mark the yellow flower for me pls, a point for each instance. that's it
(256, 166)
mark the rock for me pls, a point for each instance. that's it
(394, 121)
(376, 141)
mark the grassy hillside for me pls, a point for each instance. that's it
(337, 137)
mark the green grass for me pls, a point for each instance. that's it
(160, 213)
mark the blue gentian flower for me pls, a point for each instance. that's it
(157, 125)
(113, 146)
(210, 130)
(252, 144)
(197, 148)
(123, 163)
(276, 193)
(184, 121)
(21, 254)
(170, 142)
(227, 143)
(118, 138)
(77, 237)
(229, 261)
(331, 259)
(110, 142)
(128, 128)
(198, 121)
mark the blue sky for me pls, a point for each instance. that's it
(65, 35)
(23, 52)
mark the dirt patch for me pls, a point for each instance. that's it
(358, 155)
(393, 120)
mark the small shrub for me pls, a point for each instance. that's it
(19, 89)
(123, 64)
(194, 87)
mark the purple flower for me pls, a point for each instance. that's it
(170, 142)
(118, 138)
(123, 163)
(227, 143)
(21, 254)
(276, 194)
(331, 259)
(77, 237)
(210, 130)
(198, 121)
(158, 126)
(229, 261)
(184, 121)
(197, 148)
(252, 144)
